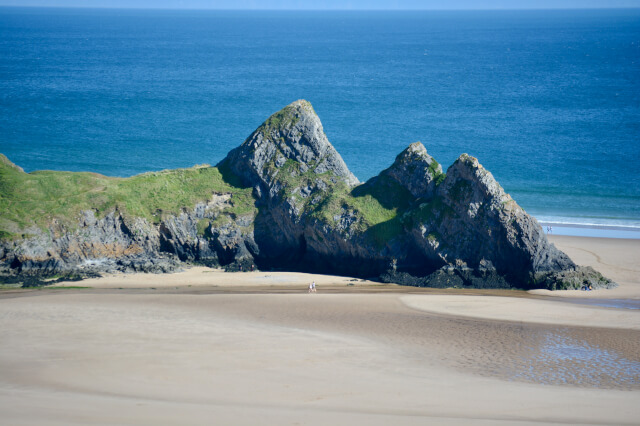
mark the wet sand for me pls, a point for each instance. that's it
(206, 347)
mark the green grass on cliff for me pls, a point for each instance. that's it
(380, 199)
(377, 204)
(438, 176)
(285, 118)
(42, 197)
(381, 202)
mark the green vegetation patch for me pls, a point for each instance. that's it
(384, 232)
(331, 203)
(378, 205)
(435, 211)
(433, 236)
(294, 180)
(284, 118)
(202, 227)
(380, 199)
(438, 176)
(39, 198)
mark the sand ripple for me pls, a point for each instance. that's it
(561, 359)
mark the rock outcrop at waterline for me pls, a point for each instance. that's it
(285, 199)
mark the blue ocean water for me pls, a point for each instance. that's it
(548, 101)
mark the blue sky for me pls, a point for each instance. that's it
(331, 4)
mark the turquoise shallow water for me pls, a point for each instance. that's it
(549, 101)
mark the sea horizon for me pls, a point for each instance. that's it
(271, 9)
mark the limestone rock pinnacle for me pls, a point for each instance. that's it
(416, 171)
(294, 137)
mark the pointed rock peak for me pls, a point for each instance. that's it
(291, 141)
(416, 171)
(468, 181)
(289, 116)
(414, 151)
(469, 167)
(502, 231)
(468, 161)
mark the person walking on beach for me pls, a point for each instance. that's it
(312, 287)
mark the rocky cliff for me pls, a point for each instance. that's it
(284, 199)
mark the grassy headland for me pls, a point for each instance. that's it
(39, 198)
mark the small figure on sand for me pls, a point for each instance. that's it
(312, 287)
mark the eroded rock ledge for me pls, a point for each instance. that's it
(285, 199)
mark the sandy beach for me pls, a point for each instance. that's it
(618, 259)
(207, 347)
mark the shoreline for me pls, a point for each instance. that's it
(589, 230)
(617, 259)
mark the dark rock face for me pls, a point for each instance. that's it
(412, 224)
(116, 243)
(472, 221)
(292, 167)
(416, 170)
(98, 245)
(450, 276)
